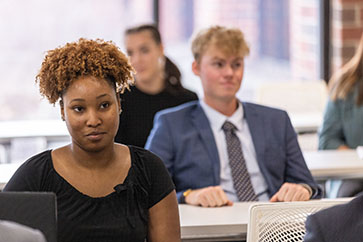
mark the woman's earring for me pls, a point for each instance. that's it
(161, 61)
(63, 119)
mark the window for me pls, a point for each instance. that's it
(284, 37)
(30, 28)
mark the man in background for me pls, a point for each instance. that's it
(219, 150)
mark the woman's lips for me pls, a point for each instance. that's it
(96, 136)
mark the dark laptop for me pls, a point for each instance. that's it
(34, 209)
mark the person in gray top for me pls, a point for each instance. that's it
(342, 127)
(14, 232)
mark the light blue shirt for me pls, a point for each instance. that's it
(216, 120)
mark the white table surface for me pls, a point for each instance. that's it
(32, 128)
(328, 164)
(214, 224)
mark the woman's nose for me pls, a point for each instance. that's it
(93, 119)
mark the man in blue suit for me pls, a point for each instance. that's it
(193, 143)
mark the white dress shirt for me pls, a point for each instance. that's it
(216, 120)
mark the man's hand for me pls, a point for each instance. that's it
(208, 197)
(290, 192)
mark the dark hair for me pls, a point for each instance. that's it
(172, 72)
(155, 34)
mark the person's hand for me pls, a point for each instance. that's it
(291, 192)
(212, 196)
(344, 147)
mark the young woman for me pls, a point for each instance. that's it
(105, 191)
(157, 85)
(343, 120)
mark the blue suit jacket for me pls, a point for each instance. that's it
(183, 139)
(340, 223)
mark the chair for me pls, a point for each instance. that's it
(295, 97)
(304, 101)
(285, 221)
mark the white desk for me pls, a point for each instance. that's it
(50, 129)
(214, 224)
(328, 164)
(19, 139)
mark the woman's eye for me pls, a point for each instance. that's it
(78, 109)
(144, 50)
(105, 105)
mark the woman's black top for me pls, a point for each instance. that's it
(139, 109)
(119, 216)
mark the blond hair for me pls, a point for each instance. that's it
(343, 81)
(229, 40)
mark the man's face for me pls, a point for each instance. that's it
(221, 75)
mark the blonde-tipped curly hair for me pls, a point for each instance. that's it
(96, 58)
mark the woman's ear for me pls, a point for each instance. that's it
(161, 58)
(161, 47)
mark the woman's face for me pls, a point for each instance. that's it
(91, 111)
(145, 55)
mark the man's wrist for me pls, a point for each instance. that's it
(184, 195)
(307, 187)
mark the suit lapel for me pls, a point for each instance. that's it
(202, 126)
(257, 130)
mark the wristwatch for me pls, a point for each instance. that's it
(185, 194)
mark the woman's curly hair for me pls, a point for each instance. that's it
(96, 58)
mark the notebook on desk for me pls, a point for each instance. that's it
(34, 209)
